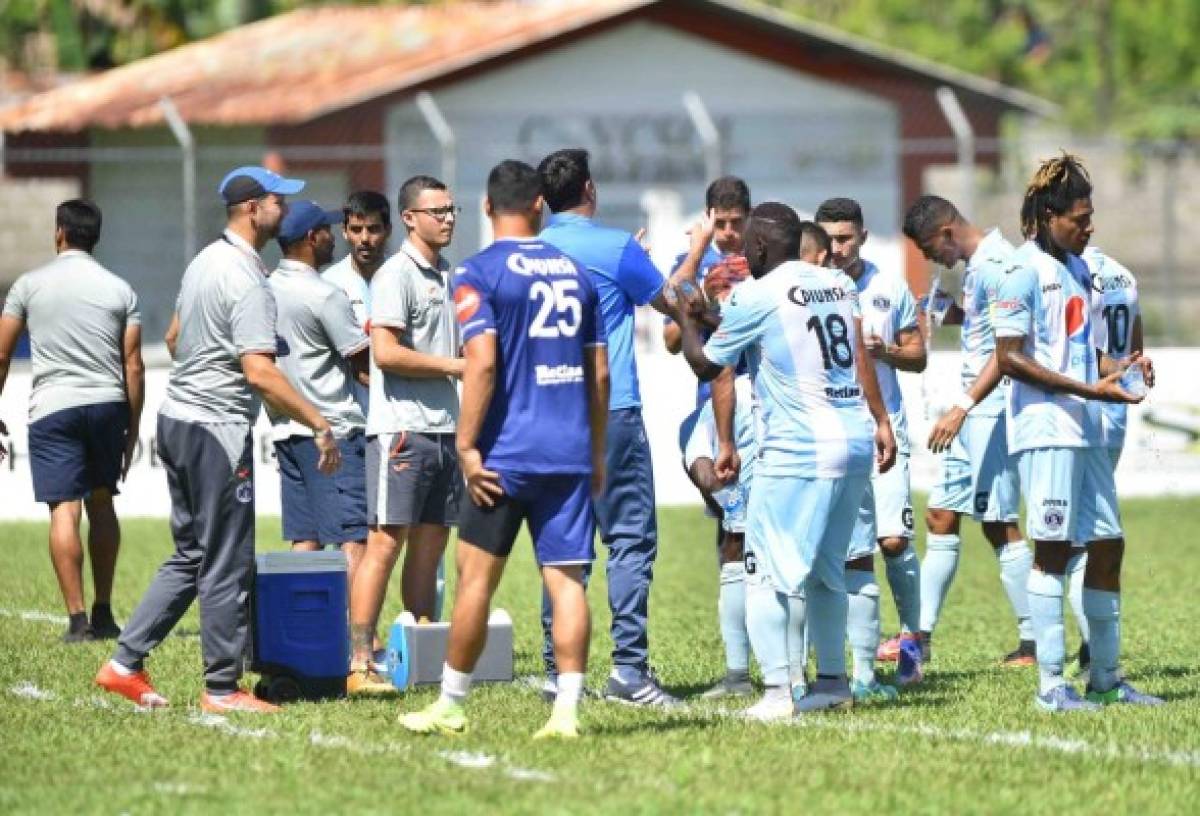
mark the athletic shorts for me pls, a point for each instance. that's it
(413, 478)
(557, 508)
(1070, 494)
(316, 507)
(886, 510)
(77, 450)
(978, 477)
(797, 528)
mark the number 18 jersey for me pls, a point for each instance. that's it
(796, 325)
(543, 309)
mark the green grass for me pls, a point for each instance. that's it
(969, 740)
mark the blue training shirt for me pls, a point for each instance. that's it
(543, 308)
(624, 277)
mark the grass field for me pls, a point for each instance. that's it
(967, 741)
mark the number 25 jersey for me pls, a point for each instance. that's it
(542, 307)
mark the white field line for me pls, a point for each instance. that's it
(30, 692)
(465, 759)
(34, 616)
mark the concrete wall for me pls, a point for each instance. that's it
(27, 223)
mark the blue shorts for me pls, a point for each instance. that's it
(886, 510)
(557, 507)
(77, 450)
(797, 528)
(317, 507)
(1070, 494)
(978, 477)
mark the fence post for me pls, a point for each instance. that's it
(442, 132)
(706, 129)
(187, 145)
(964, 137)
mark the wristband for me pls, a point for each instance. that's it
(965, 402)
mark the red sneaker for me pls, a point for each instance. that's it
(135, 687)
(889, 650)
(239, 701)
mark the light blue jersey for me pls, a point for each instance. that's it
(1049, 305)
(888, 308)
(986, 270)
(1114, 311)
(702, 443)
(797, 328)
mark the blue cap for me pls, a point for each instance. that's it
(250, 181)
(304, 216)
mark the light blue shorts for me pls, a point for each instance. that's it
(886, 510)
(798, 529)
(978, 477)
(1070, 494)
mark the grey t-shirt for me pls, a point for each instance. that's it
(317, 332)
(225, 310)
(409, 294)
(344, 276)
(76, 312)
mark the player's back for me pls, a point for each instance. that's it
(993, 258)
(542, 308)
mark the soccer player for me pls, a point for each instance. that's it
(978, 477)
(1044, 343)
(413, 479)
(891, 337)
(799, 324)
(534, 343)
(624, 278)
(321, 346)
(224, 359)
(85, 407)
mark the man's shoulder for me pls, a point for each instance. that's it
(1107, 268)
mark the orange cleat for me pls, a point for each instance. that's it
(135, 687)
(239, 701)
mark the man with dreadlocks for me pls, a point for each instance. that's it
(1044, 343)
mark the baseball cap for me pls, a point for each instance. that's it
(251, 181)
(303, 216)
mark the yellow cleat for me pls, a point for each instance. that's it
(439, 717)
(559, 726)
(366, 682)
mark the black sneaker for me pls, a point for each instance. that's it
(1024, 655)
(78, 630)
(104, 626)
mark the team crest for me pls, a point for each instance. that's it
(244, 492)
(881, 303)
(1054, 518)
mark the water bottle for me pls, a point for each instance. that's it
(1134, 380)
(733, 499)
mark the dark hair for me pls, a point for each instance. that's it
(835, 210)
(564, 175)
(411, 190)
(1056, 185)
(513, 187)
(927, 215)
(812, 232)
(368, 202)
(779, 226)
(727, 193)
(80, 220)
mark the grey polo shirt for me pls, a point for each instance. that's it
(76, 312)
(225, 310)
(410, 294)
(317, 332)
(344, 276)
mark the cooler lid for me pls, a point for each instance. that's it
(292, 562)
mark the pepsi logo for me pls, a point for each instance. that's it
(1076, 318)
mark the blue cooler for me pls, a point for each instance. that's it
(301, 628)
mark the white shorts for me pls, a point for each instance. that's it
(978, 477)
(1070, 494)
(797, 528)
(886, 510)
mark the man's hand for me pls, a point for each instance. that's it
(946, 428)
(727, 464)
(722, 277)
(1136, 359)
(483, 485)
(330, 458)
(875, 346)
(700, 235)
(885, 447)
(131, 443)
(1108, 389)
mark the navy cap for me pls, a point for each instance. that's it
(304, 216)
(251, 181)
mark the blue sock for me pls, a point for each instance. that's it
(1046, 614)
(862, 621)
(1016, 560)
(1075, 569)
(827, 627)
(797, 640)
(937, 573)
(1103, 610)
(767, 625)
(731, 609)
(904, 577)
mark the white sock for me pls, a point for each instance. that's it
(570, 689)
(937, 573)
(456, 684)
(124, 671)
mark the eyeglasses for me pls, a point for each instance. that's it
(440, 213)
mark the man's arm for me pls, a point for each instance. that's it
(360, 366)
(691, 342)
(265, 377)
(724, 401)
(885, 440)
(394, 357)
(172, 336)
(948, 426)
(672, 337)
(1014, 362)
(479, 382)
(10, 331)
(595, 370)
(135, 390)
(908, 354)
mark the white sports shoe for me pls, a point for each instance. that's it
(775, 704)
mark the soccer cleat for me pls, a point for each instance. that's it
(379, 663)
(733, 684)
(1064, 698)
(873, 692)
(239, 702)
(84, 635)
(826, 694)
(1122, 692)
(561, 725)
(775, 704)
(910, 669)
(104, 626)
(644, 690)
(1024, 655)
(135, 687)
(889, 650)
(368, 683)
(439, 717)
(549, 689)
